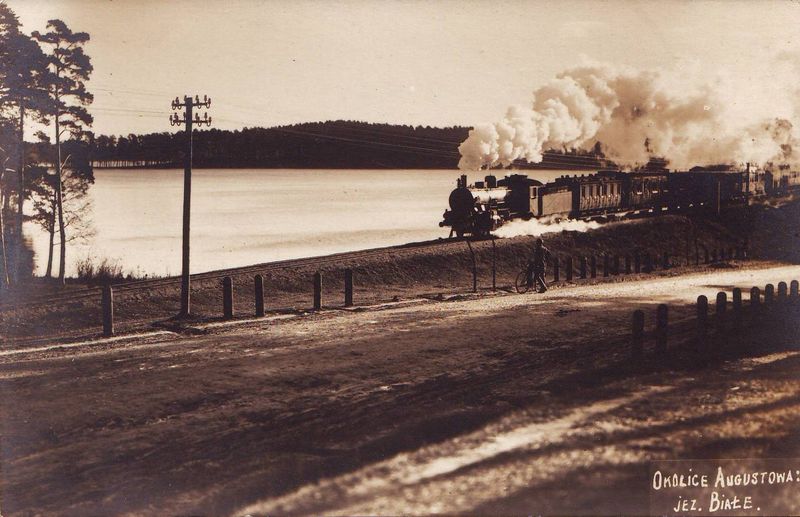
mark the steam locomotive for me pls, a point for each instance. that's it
(484, 206)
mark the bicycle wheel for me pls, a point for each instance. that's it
(521, 283)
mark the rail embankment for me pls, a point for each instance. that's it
(663, 245)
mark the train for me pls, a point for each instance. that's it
(484, 206)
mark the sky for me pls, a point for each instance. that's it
(274, 62)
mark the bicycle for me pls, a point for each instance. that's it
(521, 283)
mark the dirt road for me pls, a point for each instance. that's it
(513, 403)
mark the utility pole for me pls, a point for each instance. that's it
(188, 104)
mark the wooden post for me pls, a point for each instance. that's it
(317, 291)
(593, 266)
(661, 328)
(606, 266)
(494, 265)
(637, 263)
(259, 292)
(227, 298)
(783, 292)
(722, 305)
(737, 307)
(583, 267)
(755, 303)
(108, 311)
(769, 295)
(793, 289)
(348, 287)
(616, 265)
(627, 264)
(637, 339)
(556, 272)
(702, 320)
(569, 269)
(474, 267)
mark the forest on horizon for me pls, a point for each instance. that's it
(315, 145)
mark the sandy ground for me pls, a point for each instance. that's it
(503, 404)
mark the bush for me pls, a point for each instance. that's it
(105, 271)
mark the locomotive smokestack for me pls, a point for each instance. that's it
(464, 180)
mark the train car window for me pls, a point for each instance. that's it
(583, 191)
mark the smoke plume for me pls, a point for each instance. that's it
(639, 114)
(537, 227)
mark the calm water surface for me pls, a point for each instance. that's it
(242, 216)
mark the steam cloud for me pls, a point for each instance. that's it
(537, 227)
(639, 114)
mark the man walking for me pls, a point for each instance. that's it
(536, 266)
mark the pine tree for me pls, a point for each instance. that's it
(22, 70)
(69, 68)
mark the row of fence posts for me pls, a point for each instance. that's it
(776, 311)
(639, 263)
(610, 266)
(107, 301)
(227, 293)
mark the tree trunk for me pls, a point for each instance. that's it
(52, 230)
(20, 193)
(60, 205)
(4, 278)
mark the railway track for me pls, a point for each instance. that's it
(125, 287)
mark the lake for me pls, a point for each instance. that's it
(248, 216)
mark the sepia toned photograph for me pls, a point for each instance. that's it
(399, 257)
